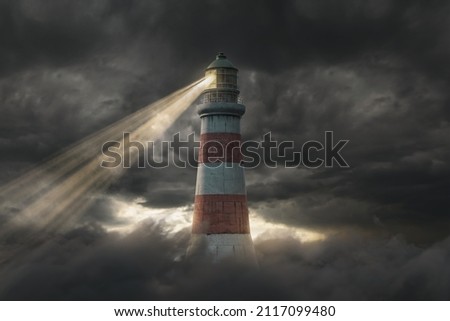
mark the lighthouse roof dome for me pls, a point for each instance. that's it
(221, 62)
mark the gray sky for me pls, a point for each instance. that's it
(374, 72)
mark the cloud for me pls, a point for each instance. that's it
(149, 264)
(374, 72)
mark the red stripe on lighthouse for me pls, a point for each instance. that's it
(220, 214)
(223, 147)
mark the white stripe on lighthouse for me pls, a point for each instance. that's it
(220, 124)
(223, 178)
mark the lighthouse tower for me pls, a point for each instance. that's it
(221, 224)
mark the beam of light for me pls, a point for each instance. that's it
(69, 158)
(51, 196)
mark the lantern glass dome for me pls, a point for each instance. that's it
(223, 72)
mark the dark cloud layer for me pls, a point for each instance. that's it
(89, 264)
(373, 72)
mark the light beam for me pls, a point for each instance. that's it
(51, 196)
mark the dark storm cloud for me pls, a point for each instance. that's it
(101, 212)
(50, 32)
(374, 72)
(68, 70)
(394, 119)
(273, 35)
(161, 188)
(281, 35)
(89, 264)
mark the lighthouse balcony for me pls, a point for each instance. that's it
(220, 108)
(219, 97)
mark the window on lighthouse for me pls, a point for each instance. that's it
(213, 74)
(222, 78)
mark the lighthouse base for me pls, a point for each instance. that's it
(235, 247)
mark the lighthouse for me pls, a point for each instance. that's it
(220, 227)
